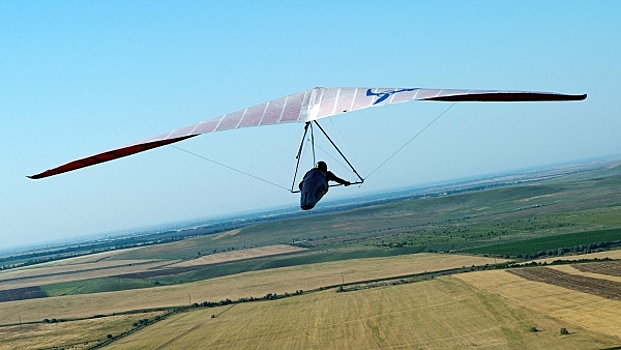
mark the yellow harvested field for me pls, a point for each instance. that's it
(80, 334)
(241, 255)
(574, 308)
(85, 259)
(445, 313)
(535, 197)
(152, 250)
(226, 234)
(47, 270)
(78, 275)
(254, 283)
(611, 254)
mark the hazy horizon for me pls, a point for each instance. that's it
(201, 221)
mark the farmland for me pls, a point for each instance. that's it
(54, 275)
(583, 310)
(436, 272)
(606, 268)
(573, 214)
(77, 334)
(444, 313)
(552, 245)
(597, 286)
(250, 284)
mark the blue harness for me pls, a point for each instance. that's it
(314, 187)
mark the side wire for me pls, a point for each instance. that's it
(288, 190)
(228, 167)
(339, 136)
(412, 139)
(337, 161)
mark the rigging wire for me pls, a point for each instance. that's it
(228, 167)
(299, 155)
(412, 139)
(339, 136)
(312, 140)
(333, 158)
(339, 151)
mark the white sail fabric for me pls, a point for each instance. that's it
(319, 103)
(307, 106)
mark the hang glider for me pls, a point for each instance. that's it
(308, 106)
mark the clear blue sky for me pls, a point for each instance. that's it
(81, 77)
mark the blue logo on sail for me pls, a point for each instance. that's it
(383, 95)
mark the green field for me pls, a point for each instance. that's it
(583, 242)
(96, 285)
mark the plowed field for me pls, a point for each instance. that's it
(595, 286)
(611, 268)
(21, 294)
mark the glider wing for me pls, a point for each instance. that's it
(307, 106)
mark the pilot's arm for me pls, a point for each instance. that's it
(332, 177)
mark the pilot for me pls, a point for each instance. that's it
(314, 185)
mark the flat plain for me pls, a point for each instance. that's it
(250, 253)
(584, 310)
(78, 272)
(351, 279)
(78, 334)
(249, 284)
(446, 313)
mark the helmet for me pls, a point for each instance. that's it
(321, 165)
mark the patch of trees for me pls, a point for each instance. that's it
(268, 296)
(226, 301)
(41, 260)
(581, 248)
(141, 323)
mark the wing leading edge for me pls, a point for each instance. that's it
(307, 106)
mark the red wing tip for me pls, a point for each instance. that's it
(108, 156)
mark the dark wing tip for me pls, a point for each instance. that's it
(41, 175)
(508, 96)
